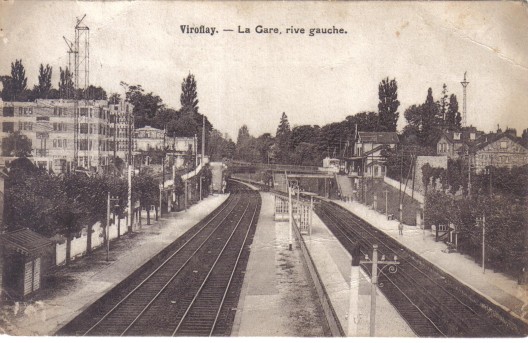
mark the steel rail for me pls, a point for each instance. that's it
(453, 296)
(449, 295)
(233, 272)
(210, 271)
(165, 262)
(344, 235)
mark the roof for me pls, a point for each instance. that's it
(25, 241)
(493, 137)
(379, 137)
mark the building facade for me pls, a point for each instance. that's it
(368, 159)
(499, 150)
(454, 143)
(56, 135)
(179, 150)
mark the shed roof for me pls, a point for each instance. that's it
(25, 241)
(379, 137)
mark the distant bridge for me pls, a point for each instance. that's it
(247, 166)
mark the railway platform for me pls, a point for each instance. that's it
(497, 287)
(278, 298)
(89, 278)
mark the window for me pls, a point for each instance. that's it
(83, 144)
(54, 143)
(59, 143)
(84, 128)
(64, 143)
(84, 111)
(456, 135)
(8, 127)
(8, 112)
(472, 136)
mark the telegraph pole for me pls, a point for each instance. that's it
(483, 244)
(290, 216)
(353, 314)
(203, 140)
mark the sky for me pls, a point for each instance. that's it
(252, 78)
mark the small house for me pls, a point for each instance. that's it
(27, 256)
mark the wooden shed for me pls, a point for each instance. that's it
(27, 256)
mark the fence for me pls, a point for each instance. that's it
(78, 245)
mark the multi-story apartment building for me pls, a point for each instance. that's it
(121, 121)
(51, 127)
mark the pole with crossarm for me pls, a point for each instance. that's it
(354, 286)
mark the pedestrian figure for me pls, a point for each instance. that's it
(400, 229)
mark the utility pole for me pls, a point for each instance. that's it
(203, 140)
(353, 314)
(185, 187)
(469, 174)
(163, 164)
(386, 203)
(483, 244)
(201, 178)
(115, 133)
(109, 200)
(108, 227)
(290, 216)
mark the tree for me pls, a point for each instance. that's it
(18, 80)
(453, 115)
(365, 121)
(189, 96)
(15, 85)
(7, 89)
(220, 147)
(44, 81)
(243, 135)
(114, 99)
(66, 86)
(91, 93)
(146, 190)
(524, 137)
(282, 140)
(443, 104)
(388, 105)
(424, 119)
(146, 105)
(16, 144)
(304, 134)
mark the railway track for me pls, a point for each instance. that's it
(191, 288)
(433, 303)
